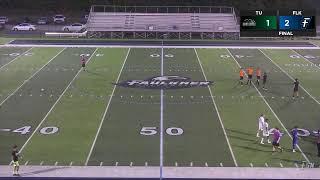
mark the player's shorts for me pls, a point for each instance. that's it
(265, 133)
(258, 77)
(249, 76)
(83, 65)
(15, 163)
(295, 89)
(274, 143)
(260, 127)
(241, 77)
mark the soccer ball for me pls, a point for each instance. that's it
(42, 89)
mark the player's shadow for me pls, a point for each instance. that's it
(37, 172)
(254, 149)
(240, 138)
(240, 132)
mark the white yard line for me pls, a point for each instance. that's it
(54, 105)
(106, 110)
(161, 120)
(11, 61)
(159, 46)
(216, 108)
(290, 75)
(30, 77)
(313, 43)
(275, 115)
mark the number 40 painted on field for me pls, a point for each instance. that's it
(45, 130)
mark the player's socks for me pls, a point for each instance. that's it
(261, 141)
(269, 141)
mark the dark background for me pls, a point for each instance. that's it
(81, 5)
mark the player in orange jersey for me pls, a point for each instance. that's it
(241, 74)
(258, 74)
(250, 74)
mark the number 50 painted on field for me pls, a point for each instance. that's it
(172, 131)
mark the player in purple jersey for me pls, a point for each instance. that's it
(276, 140)
(294, 134)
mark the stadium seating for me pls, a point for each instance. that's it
(162, 22)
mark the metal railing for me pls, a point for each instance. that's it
(162, 9)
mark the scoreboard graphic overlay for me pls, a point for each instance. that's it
(273, 23)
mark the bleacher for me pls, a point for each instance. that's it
(159, 22)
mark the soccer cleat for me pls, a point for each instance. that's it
(269, 142)
(293, 150)
(261, 142)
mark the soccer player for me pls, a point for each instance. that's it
(295, 88)
(15, 160)
(264, 80)
(294, 134)
(260, 124)
(258, 74)
(250, 73)
(83, 62)
(276, 140)
(265, 131)
(241, 74)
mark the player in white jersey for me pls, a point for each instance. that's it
(260, 124)
(265, 131)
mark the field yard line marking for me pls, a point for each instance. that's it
(290, 75)
(305, 58)
(54, 105)
(265, 101)
(216, 107)
(313, 43)
(161, 119)
(281, 165)
(30, 77)
(106, 110)
(15, 58)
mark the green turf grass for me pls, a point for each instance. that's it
(5, 40)
(9, 54)
(79, 112)
(14, 74)
(240, 107)
(298, 67)
(120, 139)
(29, 104)
(302, 112)
(203, 140)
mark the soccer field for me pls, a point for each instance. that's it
(59, 114)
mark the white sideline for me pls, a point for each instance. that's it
(30, 77)
(53, 106)
(106, 110)
(159, 46)
(169, 172)
(11, 61)
(216, 107)
(275, 115)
